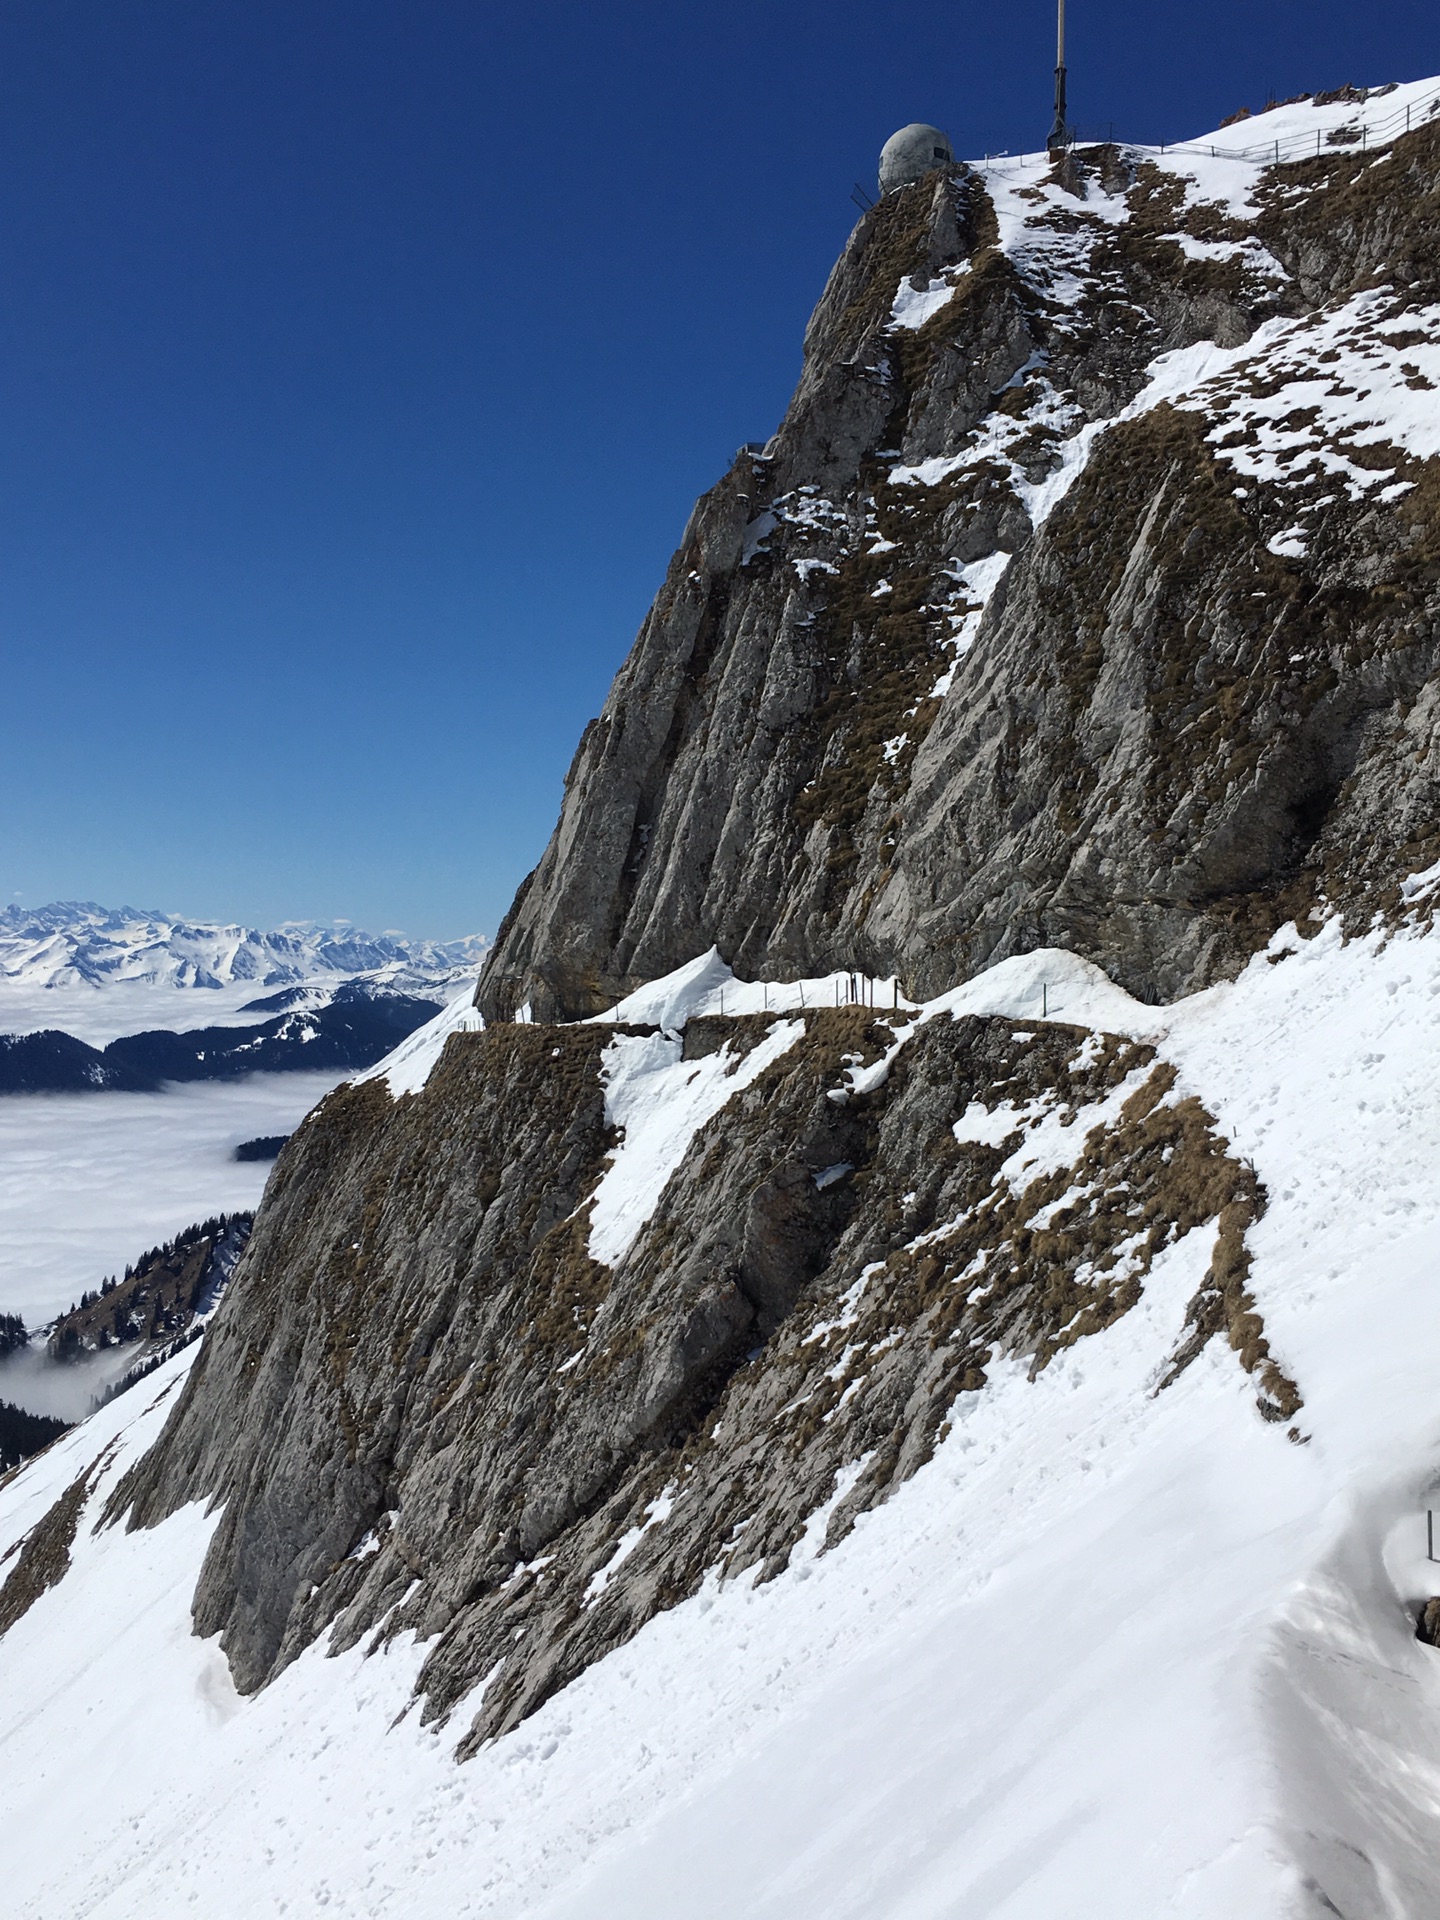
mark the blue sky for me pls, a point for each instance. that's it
(360, 362)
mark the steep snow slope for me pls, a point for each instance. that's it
(1109, 1651)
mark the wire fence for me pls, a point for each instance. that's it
(1301, 144)
(1365, 131)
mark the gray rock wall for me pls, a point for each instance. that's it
(1130, 760)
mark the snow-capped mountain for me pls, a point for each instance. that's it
(101, 974)
(1053, 610)
(350, 1024)
(75, 942)
(183, 1027)
(887, 1367)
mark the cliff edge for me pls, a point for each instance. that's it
(1084, 597)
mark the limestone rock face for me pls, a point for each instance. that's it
(998, 647)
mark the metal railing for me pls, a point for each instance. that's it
(1363, 132)
(1301, 144)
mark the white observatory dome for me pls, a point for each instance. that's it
(911, 152)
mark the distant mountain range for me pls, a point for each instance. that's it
(356, 1024)
(75, 942)
(96, 998)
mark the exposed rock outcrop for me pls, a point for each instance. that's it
(1169, 726)
(430, 1407)
(43, 1554)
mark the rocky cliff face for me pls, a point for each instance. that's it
(1010, 636)
(438, 1409)
(1085, 599)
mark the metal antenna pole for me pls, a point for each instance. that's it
(1059, 133)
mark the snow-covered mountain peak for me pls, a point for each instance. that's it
(1072, 434)
(77, 943)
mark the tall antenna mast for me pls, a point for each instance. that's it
(1059, 133)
